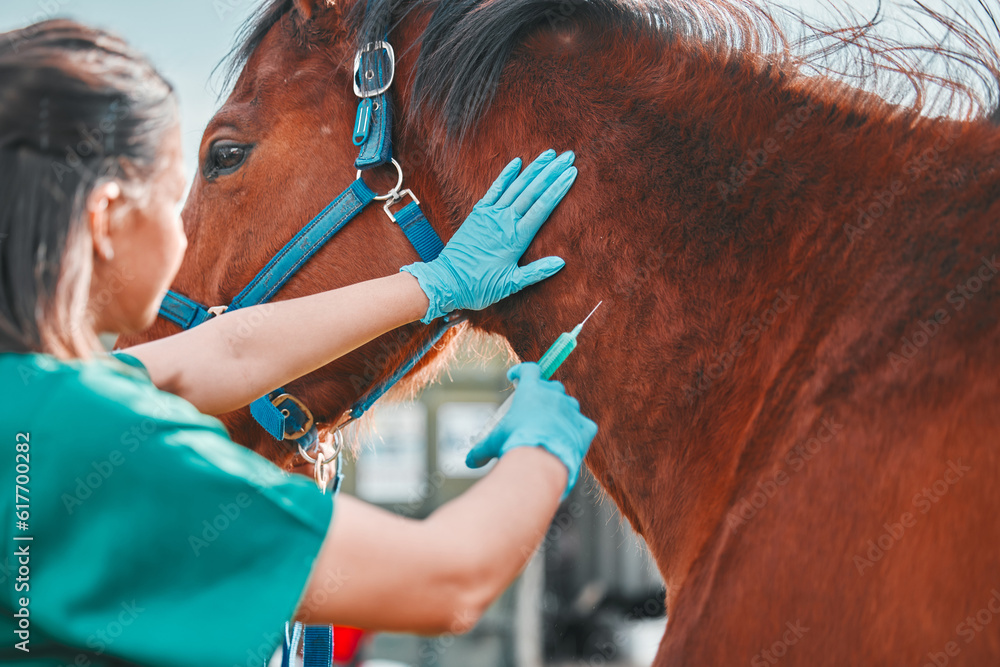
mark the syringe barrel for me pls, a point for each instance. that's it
(556, 354)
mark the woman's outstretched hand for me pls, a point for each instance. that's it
(543, 415)
(478, 266)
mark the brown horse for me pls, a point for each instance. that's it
(797, 369)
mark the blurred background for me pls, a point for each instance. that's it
(591, 595)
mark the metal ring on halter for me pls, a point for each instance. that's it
(338, 442)
(399, 183)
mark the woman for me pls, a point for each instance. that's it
(155, 539)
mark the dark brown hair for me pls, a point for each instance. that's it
(78, 107)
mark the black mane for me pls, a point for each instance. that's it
(467, 44)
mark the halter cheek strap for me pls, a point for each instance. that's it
(280, 414)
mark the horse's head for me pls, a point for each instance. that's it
(279, 150)
(271, 158)
(492, 80)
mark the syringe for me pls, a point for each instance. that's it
(549, 363)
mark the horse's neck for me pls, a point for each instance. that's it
(712, 227)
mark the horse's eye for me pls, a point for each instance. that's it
(224, 157)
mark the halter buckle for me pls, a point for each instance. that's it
(215, 311)
(302, 406)
(368, 48)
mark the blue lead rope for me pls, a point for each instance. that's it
(373, 134)
(317, 646)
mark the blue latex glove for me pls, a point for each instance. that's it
(541, 414)
(479, 267)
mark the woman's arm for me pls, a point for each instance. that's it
(232, 359)
(381, 571)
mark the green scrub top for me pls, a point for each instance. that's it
(154, 539)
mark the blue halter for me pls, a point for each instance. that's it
(282, 415)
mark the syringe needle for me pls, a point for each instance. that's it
(592, 312)
(579, 327)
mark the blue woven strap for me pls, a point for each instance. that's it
(304, 245)
(182, 311)
(376, 150)
(418, 230)
(317, 647)
(269, 417)
(277, 424)
(379, 390)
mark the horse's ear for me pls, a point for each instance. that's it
(309, 8)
